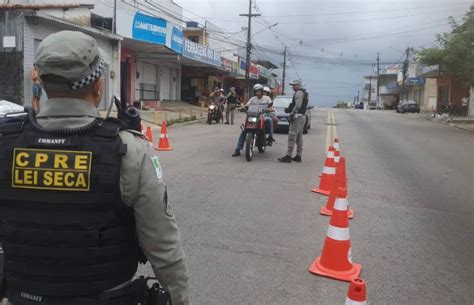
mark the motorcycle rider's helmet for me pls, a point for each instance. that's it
(267, 90)
(257, 87)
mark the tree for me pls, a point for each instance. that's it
(456, 51)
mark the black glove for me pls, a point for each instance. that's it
(287, 110)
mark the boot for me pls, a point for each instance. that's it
(236, 153)
(285, 159)
(297, 158)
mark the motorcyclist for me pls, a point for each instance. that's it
(267, 92)
(270, 111)
(218, 99)
(264, 101)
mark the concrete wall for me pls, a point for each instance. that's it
(430, 95)
(11, 59)
(35, 33)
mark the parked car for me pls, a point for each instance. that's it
(359, 106)
(280, 103)
(372, 105)
(10, 108)
(408, 106)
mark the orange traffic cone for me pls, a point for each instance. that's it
(329, 207)
(357, 294)
(336, 261)
(149, 134)
(336, 144)
(337, 156)
(341, 172)
(164, 143)
(328, 176)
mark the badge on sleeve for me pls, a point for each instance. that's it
(156, 164)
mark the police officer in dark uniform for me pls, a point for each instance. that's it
(82, 199)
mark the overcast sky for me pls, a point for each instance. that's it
(343, 30)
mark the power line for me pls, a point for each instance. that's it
(343, 40)
(369, 12)
(358, 20)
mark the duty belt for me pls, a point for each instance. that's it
(131, 294)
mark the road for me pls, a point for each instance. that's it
(251, 229)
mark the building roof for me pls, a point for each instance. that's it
(31, 6)
(72, 25)
(265, 63)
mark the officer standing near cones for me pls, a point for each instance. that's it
(297, 111)
(85, 198)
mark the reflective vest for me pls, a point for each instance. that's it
(64, 227)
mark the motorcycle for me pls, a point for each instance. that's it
(255, 130)
(213, 113)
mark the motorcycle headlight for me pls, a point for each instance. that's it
(252, 120)
(212, 107)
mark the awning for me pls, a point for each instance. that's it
(68, 25)
(150, 51)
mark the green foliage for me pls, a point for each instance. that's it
(170, 122)
(456, 51)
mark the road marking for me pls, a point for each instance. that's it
(328, 131)
(331, 130)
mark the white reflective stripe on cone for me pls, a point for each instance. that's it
(341, 204)
(336, 159)
(340, 234)
(352, 302)
(163, 136)
(330, 154)
(329, 170)
(336, 145)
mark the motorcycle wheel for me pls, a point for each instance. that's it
(249, 147)
(261, 145)
(209, 119)
(218, 119)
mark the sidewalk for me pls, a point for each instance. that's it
(171, 112)
(466, 123)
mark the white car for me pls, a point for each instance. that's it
(13, 109)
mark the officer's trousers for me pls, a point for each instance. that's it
(230, 109)
(295, 135)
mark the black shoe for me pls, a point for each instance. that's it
(297, 159)
(236, 153)
(285, 159)
(227, 123)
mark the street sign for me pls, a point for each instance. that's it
(415, 80)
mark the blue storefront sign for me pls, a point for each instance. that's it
(201, 53)
(176, 40)
(150, 29)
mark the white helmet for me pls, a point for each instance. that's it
(257, 87)
(267, 89)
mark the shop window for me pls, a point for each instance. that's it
(149, 92)
(194, 38)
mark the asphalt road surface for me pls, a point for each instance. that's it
(251, 229)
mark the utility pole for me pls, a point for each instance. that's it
(378, 79)
(114, 25)
(284, 72)
(249, 45)
(358, 92)
(370, 90)
(404, 72)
